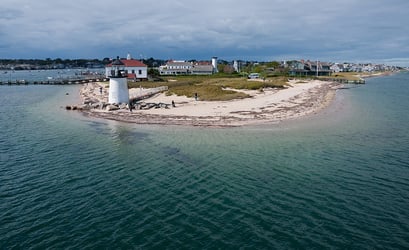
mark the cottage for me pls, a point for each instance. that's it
(202, 70)
(136, 70)
(186, 68)
(337, 67)
(310, 68)
(175, 68)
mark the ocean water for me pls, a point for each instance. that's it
(43, 75)
(338, 179)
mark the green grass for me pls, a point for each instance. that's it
(211, 88)
(351, 76)
(207, 92)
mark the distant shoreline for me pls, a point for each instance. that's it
(371, 75)
(271, 106)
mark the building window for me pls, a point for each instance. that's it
(140, 72)
(133, 71)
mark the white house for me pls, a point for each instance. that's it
(202, 70)
(186, 68)
(176, 68)
(337, 68)
(135, 69)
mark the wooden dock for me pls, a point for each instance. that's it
(67, 81)
(343, 80)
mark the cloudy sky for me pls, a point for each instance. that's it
(336, 30)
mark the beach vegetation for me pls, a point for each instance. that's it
(350, 76)
(207, 92)
(219, 87)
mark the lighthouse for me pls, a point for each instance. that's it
(118, 85)
(214, 64)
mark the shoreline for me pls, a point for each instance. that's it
(270, 106)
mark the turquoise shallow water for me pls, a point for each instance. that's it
(339, 179)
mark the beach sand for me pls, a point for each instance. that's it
(263, 107)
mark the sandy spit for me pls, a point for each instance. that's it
(263, 107)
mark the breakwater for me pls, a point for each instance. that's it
(95, 96)
(137, 95)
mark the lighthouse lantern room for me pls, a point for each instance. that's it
(118, 85)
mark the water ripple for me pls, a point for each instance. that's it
(93, 184)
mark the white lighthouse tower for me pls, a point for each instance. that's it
(214, 64)
(118, 85)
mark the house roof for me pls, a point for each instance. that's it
(208, 68)
(203, 63)
(130, 63)
(179, 64)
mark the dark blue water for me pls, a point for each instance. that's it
(339, 179)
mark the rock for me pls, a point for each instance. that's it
(94, 100)
(84, 107)
(112, 107)
(87, 100)
(123, 106)
(68, 107)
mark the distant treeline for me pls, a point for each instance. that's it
(58, 63)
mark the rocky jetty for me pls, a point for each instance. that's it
(95, 97)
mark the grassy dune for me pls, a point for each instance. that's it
(351, 76)
(211, 88)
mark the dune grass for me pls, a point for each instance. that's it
(350, 76)
(207, 92)
(211, 88)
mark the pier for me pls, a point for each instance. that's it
(342, 80)
(66, 81)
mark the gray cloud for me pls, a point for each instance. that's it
(264, 29)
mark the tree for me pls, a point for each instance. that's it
(220, 67)
(153, 72)
(58, 61)
(228, 69)
(273, 64)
